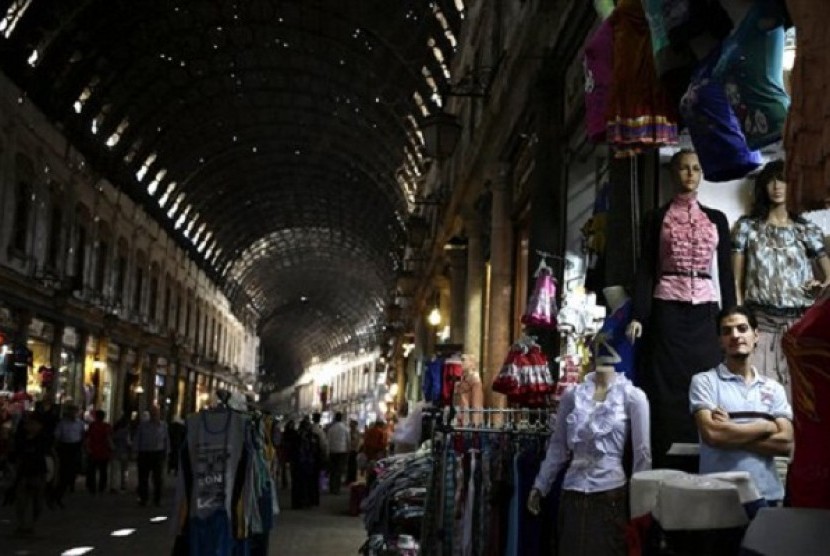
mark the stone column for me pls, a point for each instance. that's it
(501, 288)
(55, 359)
(474, 289)
(457, 256)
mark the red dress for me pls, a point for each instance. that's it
(807, 346)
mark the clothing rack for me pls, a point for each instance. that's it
(504, 419)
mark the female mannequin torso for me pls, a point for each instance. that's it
(773, 253)
(675, 301)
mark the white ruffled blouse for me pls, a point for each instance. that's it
(595, 434)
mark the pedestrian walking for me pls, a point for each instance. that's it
(31, 448)
(337, 437)
(99, 449)
(69, 434)
(152, 443)
(355, 438)
(122, 446)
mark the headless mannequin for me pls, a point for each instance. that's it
(604, 377)
(615, 296)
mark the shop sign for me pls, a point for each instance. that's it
(6, 318)
(70, 338)
(41, 330)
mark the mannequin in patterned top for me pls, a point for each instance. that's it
(775, 257)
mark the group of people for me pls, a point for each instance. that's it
(310, 454)
(43, 451)
(709, 370)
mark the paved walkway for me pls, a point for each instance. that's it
(90, 521)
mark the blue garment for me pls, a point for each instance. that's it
(751, 69)
(613, 347)
(714, 128)
(211, 535)
(719, 388)
(432, 380)
(513, 516)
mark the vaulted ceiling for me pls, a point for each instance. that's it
(277, 140)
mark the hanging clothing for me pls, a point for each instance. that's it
(214, 473)
(807, 345)
(751, 69)
(806, 140)
(599, 68)
(640, 113)
(613, 347)
(431, 385)
(714, 128)
(541, 307)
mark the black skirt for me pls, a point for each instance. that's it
(681, 340)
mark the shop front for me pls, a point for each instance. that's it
(39, 375)
(97, 392)
(70, 368)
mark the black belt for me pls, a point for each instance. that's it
(688, 273)
(751, 415)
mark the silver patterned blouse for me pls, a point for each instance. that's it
(777, 261)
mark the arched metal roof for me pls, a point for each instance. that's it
(277, 140)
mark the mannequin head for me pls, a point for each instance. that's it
(770, 190)
(686, 171)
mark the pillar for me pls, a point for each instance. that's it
(501, 288)
(55, 359)
(457, 256)
(474, 289)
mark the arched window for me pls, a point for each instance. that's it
(81, 246)
(24, 189)
(102, 256)
(138, 284)
(120, 270)
(54, 247)
(167, 317)
(154, 292)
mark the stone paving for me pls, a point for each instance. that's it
(89, 522)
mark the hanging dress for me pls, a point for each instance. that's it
(807, 135)
(640, 112)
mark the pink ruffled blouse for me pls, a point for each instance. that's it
(688, 240)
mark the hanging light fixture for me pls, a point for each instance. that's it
(441, 133)
(434, 317)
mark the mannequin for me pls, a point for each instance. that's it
(772, 260)
(595, 420)
(611, 345)
(675, 302)
(469, 392)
